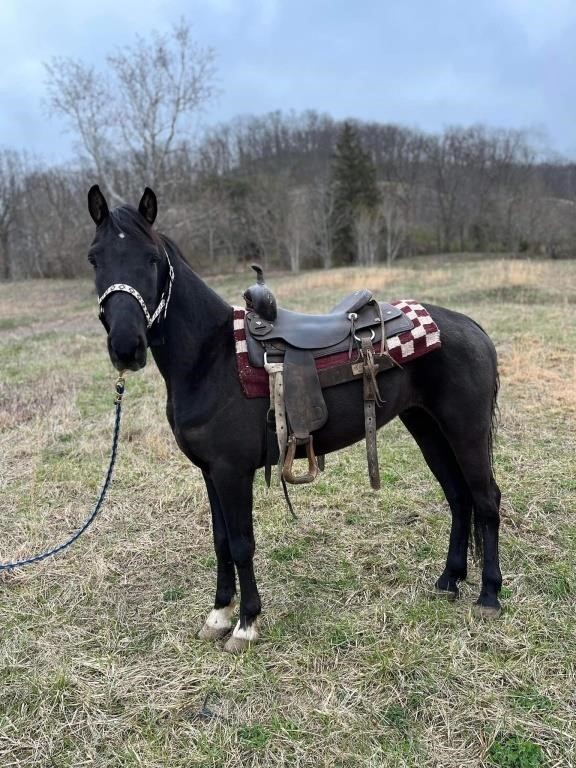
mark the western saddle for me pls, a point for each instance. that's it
(288, 344)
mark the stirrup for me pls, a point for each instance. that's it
(287, 467)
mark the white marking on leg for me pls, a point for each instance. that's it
(220, 618)
(250, 634)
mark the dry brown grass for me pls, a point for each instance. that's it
(358, 667)
(377, 278)
(323, 286)
(516, 273)
(543, 377)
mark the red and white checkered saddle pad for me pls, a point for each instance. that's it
(405, 347)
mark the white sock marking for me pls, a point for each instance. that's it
(220, 618)
(250, 633)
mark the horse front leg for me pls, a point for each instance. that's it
(219, 621)
(234, 493)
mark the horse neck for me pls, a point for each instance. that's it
(196, 323)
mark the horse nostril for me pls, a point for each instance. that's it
(128, 349)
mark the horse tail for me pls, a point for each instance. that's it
(494, 417)
(476, 545)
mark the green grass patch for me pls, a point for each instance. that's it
(9, 323)
(254, 736)
(529, 699)
(286, 553)
(516, 752)
(173, 594)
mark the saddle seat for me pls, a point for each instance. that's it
(323, 335)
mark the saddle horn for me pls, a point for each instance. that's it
(259, 298)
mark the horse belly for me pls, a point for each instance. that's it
(345, 424)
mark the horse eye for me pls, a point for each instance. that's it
(155, 259)
(93, 262)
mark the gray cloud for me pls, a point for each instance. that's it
(505, 63)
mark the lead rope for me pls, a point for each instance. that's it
(100, 500)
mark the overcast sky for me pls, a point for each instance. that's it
(422, 63)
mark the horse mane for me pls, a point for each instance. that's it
(173, 248)
(204, 295)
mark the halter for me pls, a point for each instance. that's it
(164, 299)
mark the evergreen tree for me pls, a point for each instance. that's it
(355, 192)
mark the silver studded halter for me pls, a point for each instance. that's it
(164, 299)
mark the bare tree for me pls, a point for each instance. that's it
(143, 106)
(367, 223)
(322, 213)
(11, 174)
(297, 226)
(394, 208)
(52, 227)
(208, 225)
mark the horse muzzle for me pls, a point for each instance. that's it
(127, 353)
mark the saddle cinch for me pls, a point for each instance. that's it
(287, 344)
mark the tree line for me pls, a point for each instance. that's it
(293, 191)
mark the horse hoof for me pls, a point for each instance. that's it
(486, 611)
(218, 623)
(241, 639)
(213, 633)
(445, 594)
(236, 645)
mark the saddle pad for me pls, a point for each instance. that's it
(403, 348)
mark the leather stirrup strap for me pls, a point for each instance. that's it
(370, 398)
(270, 443)
(371, 446)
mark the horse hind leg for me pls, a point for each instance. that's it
(470, 441)
(487, 525)
(441, 460)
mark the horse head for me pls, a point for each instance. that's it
(133, 275)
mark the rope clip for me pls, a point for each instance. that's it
(120, 385)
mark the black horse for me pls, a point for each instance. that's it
(447, 401)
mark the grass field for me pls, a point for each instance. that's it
(358, 665)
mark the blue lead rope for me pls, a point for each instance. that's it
(100, 500)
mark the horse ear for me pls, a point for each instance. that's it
(97, 205)
(148, 206)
